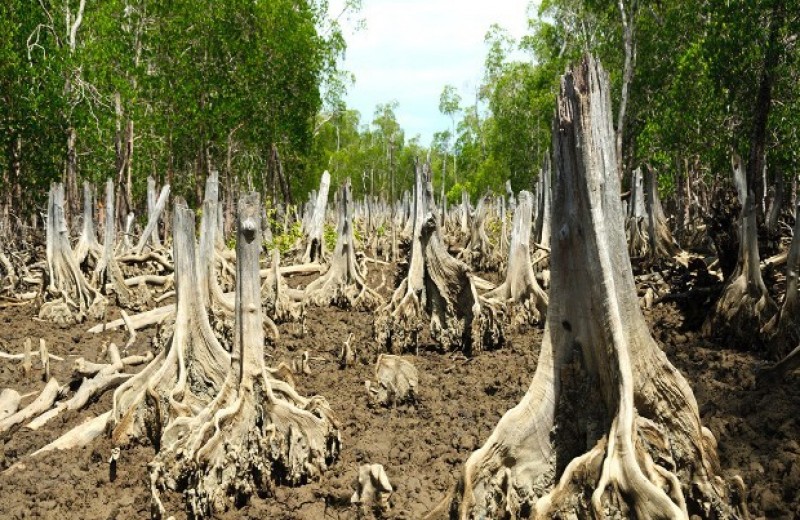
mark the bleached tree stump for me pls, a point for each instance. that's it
(343, 285)
(544, 203)
(108, 271)
(257, 430)
(520, 292)
(70, 298)
(636, 223)
(315, 241)
(437, 289)
(211, 265)
(185, 374)
(745, 305)
(278, 305)
(396, 381)
(608, 427)
(152, 207)
(465, 214)
(662, 243)
(152, 221)
(87, 246)
(479, 251)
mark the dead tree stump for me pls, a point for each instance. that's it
(343, 285)
(257, 431)
(436, 289)
(783, 330)
(479, 251)
(745, 305)
(69, 297)
(608, 427)
(520, 292)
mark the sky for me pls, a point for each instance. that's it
(410, 49)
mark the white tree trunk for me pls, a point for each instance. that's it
(437, 289)
(87, 243)
(70, 298)
(152, 221)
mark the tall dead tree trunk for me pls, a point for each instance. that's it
(208, 258)
(152, 204)
(636, 224)
(608, 427)
(662, 245)
(258, 430)
(186, 374)
(745, 305)
(466, 213)
(152, 221)
(775, 206)
(191, 365)
(479, 251)
(544, 192)
(108, 271)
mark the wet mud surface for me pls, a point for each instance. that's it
(422, 445)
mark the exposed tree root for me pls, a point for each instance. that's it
(42, 403)
(97, 379)
(9, 402)
(396, 381)
(776, 373)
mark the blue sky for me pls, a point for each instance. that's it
(410, 49)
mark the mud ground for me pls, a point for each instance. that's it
(422, 446)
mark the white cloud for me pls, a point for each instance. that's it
(410, 49)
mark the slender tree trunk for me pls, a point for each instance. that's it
(120, 147)
(756, 162)
(628, 26)
(71, 173)
(129, 163)
(679, 194)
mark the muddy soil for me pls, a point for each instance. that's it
(422, 446)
